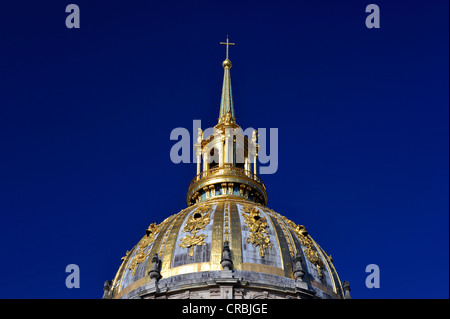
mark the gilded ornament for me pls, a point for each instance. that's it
(196, 222)
(257, 226)
(137, 259)
(310, 250)
(227, 222)
(124, 257)
(189, 241)
(141, 255)
(152, 229)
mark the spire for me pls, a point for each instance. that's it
(227, 156)
(226, 115)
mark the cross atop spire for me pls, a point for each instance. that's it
(227, 44)
(226, 115)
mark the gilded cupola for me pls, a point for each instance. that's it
(226, 160)
(226, 243)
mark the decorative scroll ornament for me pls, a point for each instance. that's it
(257, 226)
(124, 257)
(141, 255)
(310, 250)
(194, 224)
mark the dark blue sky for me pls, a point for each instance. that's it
(86, 114)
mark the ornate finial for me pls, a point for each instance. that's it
(226, 262)
(106, 290)
(227, 63)
(155, 273)
(297, 267)
(346, 287)
(226, 102)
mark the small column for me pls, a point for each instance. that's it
(241, 189)
(230, 188)
(213, 190)
(205, 163)
(222, 151)
(248, 167)
(224, 188)
(195, 198)
(227, 149)
(255, 157)
(199, 163)
(247, 191)
(206, 189)
(261, 200)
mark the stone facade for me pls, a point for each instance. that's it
(226, 284)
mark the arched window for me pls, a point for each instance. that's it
(214, 158)
(240, 151)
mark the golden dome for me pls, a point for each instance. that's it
(260, 240)
(227, 243)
